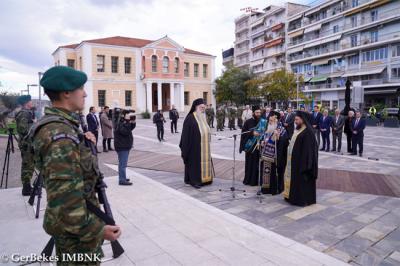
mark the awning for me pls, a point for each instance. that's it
(278, 26)
(257, 62)
(326, 40)
(295, 50)
(313, 28)
(319, 79)
(365, 72)
(336, 75)
(322, 6)
(296, 33)
(380, 91)
(324, 61)
(307, 79)
(295, 16)
(367, 6)
(274, 42)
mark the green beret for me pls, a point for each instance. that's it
(62, 78)
(23, 99)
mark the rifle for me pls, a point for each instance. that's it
(105, 216)
(37, 190)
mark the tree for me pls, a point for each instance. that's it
(281, 86)
(231, 86)
(8, 102)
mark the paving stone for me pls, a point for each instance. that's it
(298, 214)
(353, 245)
(395, 256)
(343, 256)
(347, 229)
(371, 215)
(317, 245)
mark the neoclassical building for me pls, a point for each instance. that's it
(140, 74)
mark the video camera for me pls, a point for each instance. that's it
(119, 114)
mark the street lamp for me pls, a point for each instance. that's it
(40, 74)
(30, 85)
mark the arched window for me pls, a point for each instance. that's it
(154, 63)
(176, 64)
(165, 64)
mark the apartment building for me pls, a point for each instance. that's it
(140, 74)
(347, 39)
(260, 38)
(228, 56)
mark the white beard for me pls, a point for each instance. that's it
(271, 128)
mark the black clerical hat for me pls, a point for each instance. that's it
(255, 108)
(275, 113)
(196, 103)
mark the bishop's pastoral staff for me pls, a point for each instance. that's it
(195, 146)
(302, 163)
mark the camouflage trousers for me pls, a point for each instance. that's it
(231, 123)
(27, 165)
(220, 124)
(71, 250)
(209, 121)
(240, 122)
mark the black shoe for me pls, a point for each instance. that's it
(125, 183)
(176, 131)
(333, 150)
(26, 190)
(109, 149)
(360, 154)
(322, 149)
(196, 186)
(105, 150)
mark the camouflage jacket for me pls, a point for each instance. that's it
(239, 112)
(70, 173)
(24, 120)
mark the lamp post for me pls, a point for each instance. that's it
(30, 85)
(40, 74)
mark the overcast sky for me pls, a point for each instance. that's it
(30, 30)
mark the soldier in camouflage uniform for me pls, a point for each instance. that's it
(220, 119)
(24, 119)
(208, 115)
(224, 113)
(212, 114)
(69, 169)
(239, 117)
(231, 117)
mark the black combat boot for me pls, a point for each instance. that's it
(26, 190)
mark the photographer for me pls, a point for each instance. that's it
(123, 143)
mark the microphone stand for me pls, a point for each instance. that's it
(233, 187)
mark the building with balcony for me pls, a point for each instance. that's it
(227, 57)
(140, 74)
(260, 38)
(267, 38)
(347, 39)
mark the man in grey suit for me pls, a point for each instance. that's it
(337, 130)
(288, 122)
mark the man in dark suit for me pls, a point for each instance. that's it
(337, 130)
(325, 128)
(316, 118)
(348, 130)
(358, 127)
(93, 123)
(173, 116)
(288, 122)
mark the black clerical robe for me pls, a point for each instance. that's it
(252, 159)
(195, 150)
(301, 169)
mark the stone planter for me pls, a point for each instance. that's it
(391, 122)
(372, 121)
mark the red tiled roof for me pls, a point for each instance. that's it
(125, 41)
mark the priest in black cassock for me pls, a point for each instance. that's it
(248, 144)
(302, 163)
(195, 146)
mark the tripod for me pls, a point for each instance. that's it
(37, 190)
(6, 165)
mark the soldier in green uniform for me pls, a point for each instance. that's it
(224, 117)
(69, 169)
(212, 114)
(231, 117)
(208, 115)
(220, 118)
(24, 119)
(239, 117)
